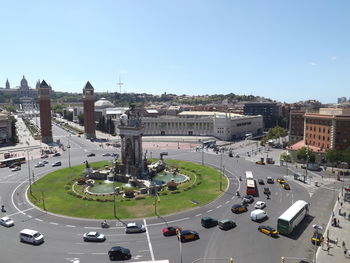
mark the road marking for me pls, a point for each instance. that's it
(219, 206)
(210, 210)
(227, 202)
(21, 212)
(173, 221)
(75, 253)
(198, 215)
(91, 227)
(149, 240)
(70, 226)
(40, 220)
(98, 253)
(53, 223)
(29, 216)
(140, 251)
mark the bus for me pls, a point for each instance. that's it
(7, 162)
(248, 175)
(291, 218)
(251, 187)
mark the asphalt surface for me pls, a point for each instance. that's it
(63, 235)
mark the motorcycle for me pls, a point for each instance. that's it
(104, 225)
(3, 209)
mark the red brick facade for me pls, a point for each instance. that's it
(45, 112)
(89, 111)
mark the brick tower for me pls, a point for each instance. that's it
(89, 111)
(45, 112)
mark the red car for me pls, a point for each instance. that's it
(171, 230)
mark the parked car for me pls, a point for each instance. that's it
(258, 215)
(267, 230)
(267, 191)
(135, 228)
(120, 253)
(208, 222)
(238, 208)
(226, 224)
(187, 235)
(260, 162)
(56, 164)
(106, 154)
(91, 154)
(56, 154)
(259, 205)
(94, 237)
(6, 221)
(171, 230)
(261, 181)
(270, 180)
(248, 199)
(44, 156)
(17, 168)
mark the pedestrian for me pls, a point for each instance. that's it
(338, 198)
(332, 213)
(338, 223)
(341, 204)
(343, 244)
(328, 247)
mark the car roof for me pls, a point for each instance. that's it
(236, 205)
(133, 224)
(5, 218)
(225, 220)
(92, 233)
(118, 248)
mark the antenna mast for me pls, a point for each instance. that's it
(120, 84)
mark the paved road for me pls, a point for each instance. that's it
(244, 243)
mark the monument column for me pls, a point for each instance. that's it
(89, 111)
(45, 112)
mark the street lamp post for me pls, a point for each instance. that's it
(202, 153)
(221, 175)
(30, 183)
(114, 200)
(180, 245)
(68, 146)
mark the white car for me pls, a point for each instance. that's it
(94, 237)
(6, 221)
(259, 205)
(15, 169)
(258, 215)
(39, 165)
(106, 154)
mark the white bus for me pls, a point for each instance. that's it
(249, 175)
(291, 218)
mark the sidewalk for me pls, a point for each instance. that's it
(336, 236)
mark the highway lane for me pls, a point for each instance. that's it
(244, 242)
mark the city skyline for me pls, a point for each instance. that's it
(284, 51)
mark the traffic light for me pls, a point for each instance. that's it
(282, 259)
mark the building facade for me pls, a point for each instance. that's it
(328, 129)
(45, 112)
(22, 94)
(269, 110)
(225, 126)
(89, 111)
(296, 126)
(5, 127)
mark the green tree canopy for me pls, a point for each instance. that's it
(306, 154)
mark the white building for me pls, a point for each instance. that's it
(225, 126)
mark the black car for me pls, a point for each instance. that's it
(226, 224)
(91, 154)
(119, 253)
(15, 165)
(56, 154)
(208, 222)
(261, 181)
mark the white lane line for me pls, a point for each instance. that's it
(13, 201)
(40, 220)
(69, 226)
(210, 210)
(173, 221)
(75, 253)
(227, 202)
(53, 223)
(98, 253)
(140, 251)
(219, 206)
(91, 227)
(198, 215)
(232, 197)
(29, 216)
(149, 240)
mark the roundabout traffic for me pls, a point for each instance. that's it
(64, 234)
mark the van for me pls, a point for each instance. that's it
(31, 236)
(258, 215)
(208, 222)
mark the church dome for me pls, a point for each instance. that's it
(24, 82)
(103, 103)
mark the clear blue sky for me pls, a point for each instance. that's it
(286, 50)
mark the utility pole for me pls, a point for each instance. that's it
(42, 196)
(30, 183)
(68, 146)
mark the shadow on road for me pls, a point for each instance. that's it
(301, 227)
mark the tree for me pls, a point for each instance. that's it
(58, 108)
(306, 154)
(285, 157)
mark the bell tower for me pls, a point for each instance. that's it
(45, 112)
(89, 111)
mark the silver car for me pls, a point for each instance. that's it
(135, 228)
(94, 237)
(6, 221)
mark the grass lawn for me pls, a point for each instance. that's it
(202, 188)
